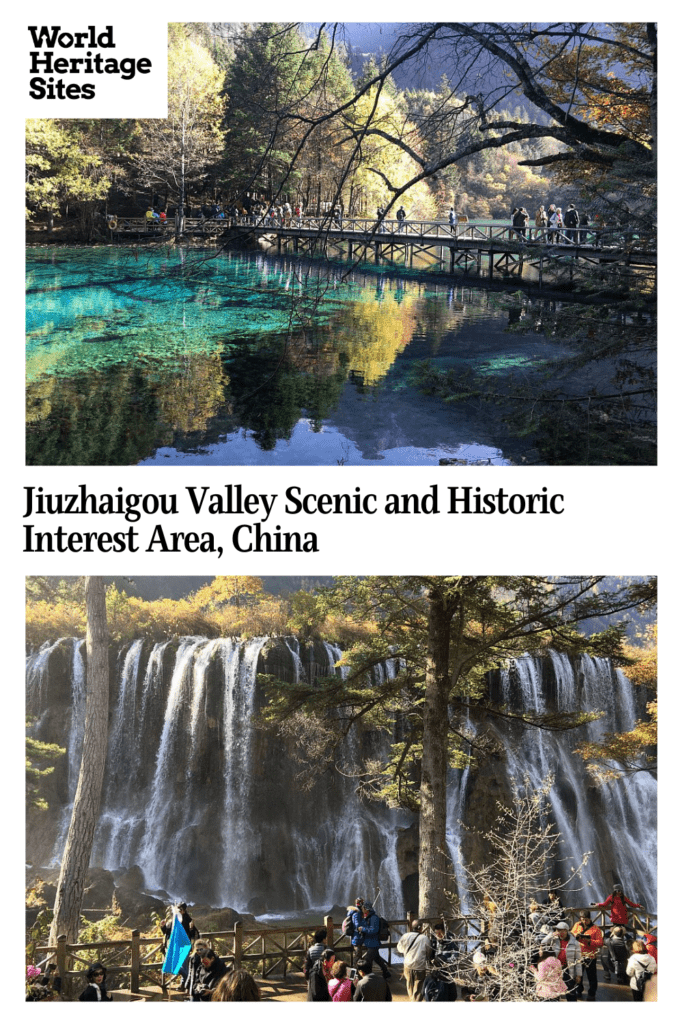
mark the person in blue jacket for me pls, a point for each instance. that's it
(366, 938)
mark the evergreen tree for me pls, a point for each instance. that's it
(448, 632)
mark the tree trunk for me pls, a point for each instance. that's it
(180, 218)
(434, 863)
(76, 857)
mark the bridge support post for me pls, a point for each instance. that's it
(452, 260)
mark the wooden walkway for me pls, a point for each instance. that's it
(475, 245)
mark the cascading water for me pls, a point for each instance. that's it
(616, 823)
(210, 809)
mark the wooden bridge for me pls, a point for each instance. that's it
(478, 245)
(273, 952)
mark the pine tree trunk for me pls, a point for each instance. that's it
(76, 857)
(434, 863)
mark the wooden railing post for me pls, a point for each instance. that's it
(135, 960)
(62, 964)
(329, 927)
(239, 940)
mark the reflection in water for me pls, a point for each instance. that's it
(182, 356)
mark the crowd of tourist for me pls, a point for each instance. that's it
(539, 943)
(553, 226)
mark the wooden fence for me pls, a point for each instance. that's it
(270, 950)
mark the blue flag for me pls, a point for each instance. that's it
(178, 947)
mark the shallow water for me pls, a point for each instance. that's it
(180, 356)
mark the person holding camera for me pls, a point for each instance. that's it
(210, 972)
(591, 940)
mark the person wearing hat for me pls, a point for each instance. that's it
(550, 986)
(566, 948)
(416, 950)
(96, 989)
(365, 936)
(591, 940)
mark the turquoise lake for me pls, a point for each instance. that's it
(182, 356)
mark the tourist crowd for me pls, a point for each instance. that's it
(561, 960)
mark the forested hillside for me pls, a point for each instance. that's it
(268, 111)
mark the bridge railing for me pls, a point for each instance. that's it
(139, 960)
(597, 236)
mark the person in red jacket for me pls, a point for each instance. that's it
(617, 904)
(590, 939)
(651, 945)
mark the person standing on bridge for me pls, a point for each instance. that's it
(418, 954)
(590, 939)
(452, 220)
(520, 219)
(190, 928)
(566, 948)
(366, 937)
(371, 988)
(617, 906)
(614, 955)
(541, 222)
(400, 217)
(571, 221)
(314, 952)
(640, 968)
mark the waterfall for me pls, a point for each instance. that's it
(214, 810)
(37, 665)
(240, 831)
(616, 823)
(75, 743)
(457, 790)
(170, 811)
(38, 679)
